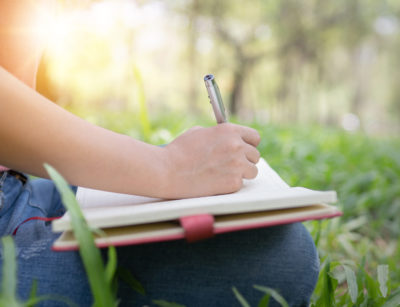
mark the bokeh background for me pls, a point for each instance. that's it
(320, 80)
(332, 63)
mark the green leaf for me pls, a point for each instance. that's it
(90, 254)
(383, 277)
(371, 286)
(326, 287)
(364, 302)
(111, 265)
(275, 295)
(33, 289)
(9, 281)
(394, 300)
(163, 303)
(264, 302)
(50, 297)
(143, 111)
(318, 233)
(10, 303)
(351, 283)
(240, 297)
(127, 277)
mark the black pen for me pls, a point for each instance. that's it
(215, 99)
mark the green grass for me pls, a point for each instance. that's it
(100, 277)
(363, 244)
(359, 252)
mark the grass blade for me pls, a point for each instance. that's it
(393, 301)
(264, 302)
(111, 264)
(163, 303)
(34, 288)
(90, 254)
(143, 112)
(9, 281)
(326, 287)
(56, 298)
(127, 277)
(274, 294)
(351, 283)
(240, 297)
(371, 286)
(383, 277)
(318, 233)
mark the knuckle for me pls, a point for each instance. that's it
(236, 163)
(235, 145)
(236, 183)
(227, 127)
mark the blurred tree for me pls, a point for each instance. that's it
(310, 61)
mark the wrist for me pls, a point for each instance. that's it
(167, 173)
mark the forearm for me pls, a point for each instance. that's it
(34, 131)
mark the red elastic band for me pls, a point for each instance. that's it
(46, 219)
(198, 227)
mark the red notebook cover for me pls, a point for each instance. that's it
(200, 227)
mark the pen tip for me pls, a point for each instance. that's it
(208, 77)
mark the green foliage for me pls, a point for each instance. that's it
(163, 303)
(365, 171)
(100, 277)
(9, 280)
(126, 276)
(264, 302)
(325, 288)
(269, 292)
(240, 297)
(383, 277)
(141, 99)
(351, 283)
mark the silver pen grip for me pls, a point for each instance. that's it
(215, 99)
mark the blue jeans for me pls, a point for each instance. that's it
(192, 274)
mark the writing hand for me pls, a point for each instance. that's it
(210, 161)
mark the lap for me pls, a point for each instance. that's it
(203, 273)
(195, 274)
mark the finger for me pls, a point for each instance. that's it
(249, 135)
(252, 154)
(194, 128)
(250, 171)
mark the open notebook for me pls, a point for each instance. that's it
(129, 219)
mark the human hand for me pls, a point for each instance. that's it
(210, 161)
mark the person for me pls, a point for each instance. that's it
(200, 162)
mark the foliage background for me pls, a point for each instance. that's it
(318, 78)
(329, 62)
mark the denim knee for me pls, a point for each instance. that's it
(202, 274)
(299, 262)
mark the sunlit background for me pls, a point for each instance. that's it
(332, 63)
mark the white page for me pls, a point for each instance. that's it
(266, 192)
(267, 179)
